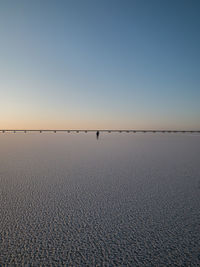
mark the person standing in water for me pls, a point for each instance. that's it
(97, 135)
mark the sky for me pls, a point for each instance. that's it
(100, 64)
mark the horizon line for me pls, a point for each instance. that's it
(101, 130)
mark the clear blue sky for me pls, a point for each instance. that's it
(100, 64)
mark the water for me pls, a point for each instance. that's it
(124, 200)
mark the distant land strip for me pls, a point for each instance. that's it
(107, 131)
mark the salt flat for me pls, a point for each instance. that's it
(123, 200)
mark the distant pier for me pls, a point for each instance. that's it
(101, 131)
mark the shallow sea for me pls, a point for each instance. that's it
(123, 200)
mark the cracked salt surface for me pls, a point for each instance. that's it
(122, 200)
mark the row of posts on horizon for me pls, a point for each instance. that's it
(108, 131)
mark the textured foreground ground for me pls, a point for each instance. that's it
(124, 200)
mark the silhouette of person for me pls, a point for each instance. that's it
(97, 135)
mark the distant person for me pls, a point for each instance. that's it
(97, 135)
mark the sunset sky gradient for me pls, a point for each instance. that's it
(106, 64)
